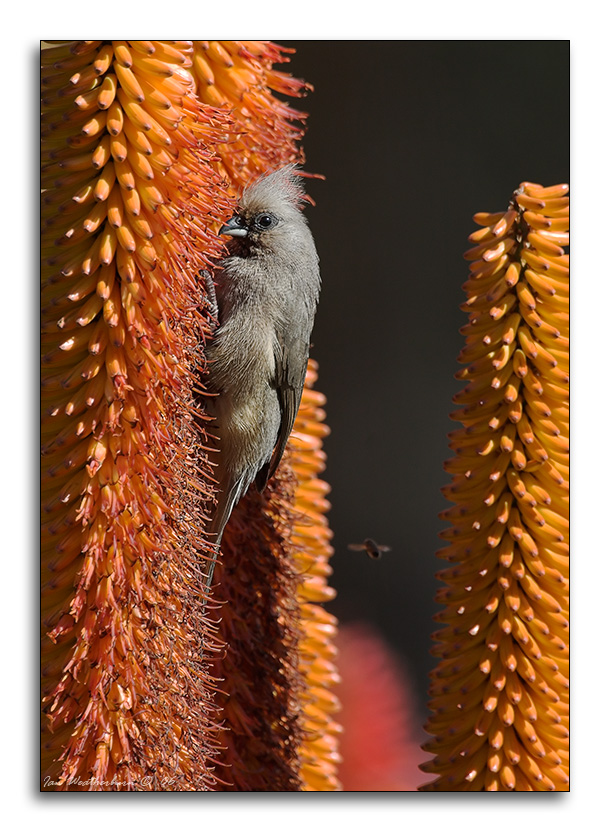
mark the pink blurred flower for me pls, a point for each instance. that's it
(380, 745)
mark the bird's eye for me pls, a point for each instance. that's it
(266, 221)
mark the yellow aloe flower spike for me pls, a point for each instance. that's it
(499, 694)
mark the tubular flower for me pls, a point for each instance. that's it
(133, 190)
(499, 693)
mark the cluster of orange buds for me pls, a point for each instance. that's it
(499, 694)
(240, 76)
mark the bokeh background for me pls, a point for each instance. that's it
(413, 138)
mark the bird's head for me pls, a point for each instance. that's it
(268, 213)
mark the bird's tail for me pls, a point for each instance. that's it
(227, 499)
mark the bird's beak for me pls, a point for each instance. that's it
(234, 228)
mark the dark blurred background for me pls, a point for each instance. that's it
(413, 138)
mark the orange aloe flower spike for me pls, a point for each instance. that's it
(131, 196)
(137, 175)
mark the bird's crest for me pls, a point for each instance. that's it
(280, 187)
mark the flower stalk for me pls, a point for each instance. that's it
(499, 694)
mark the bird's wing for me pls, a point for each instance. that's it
(290, 369)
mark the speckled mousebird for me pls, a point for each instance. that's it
(265, 299)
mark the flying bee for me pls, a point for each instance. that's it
(374, 550)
